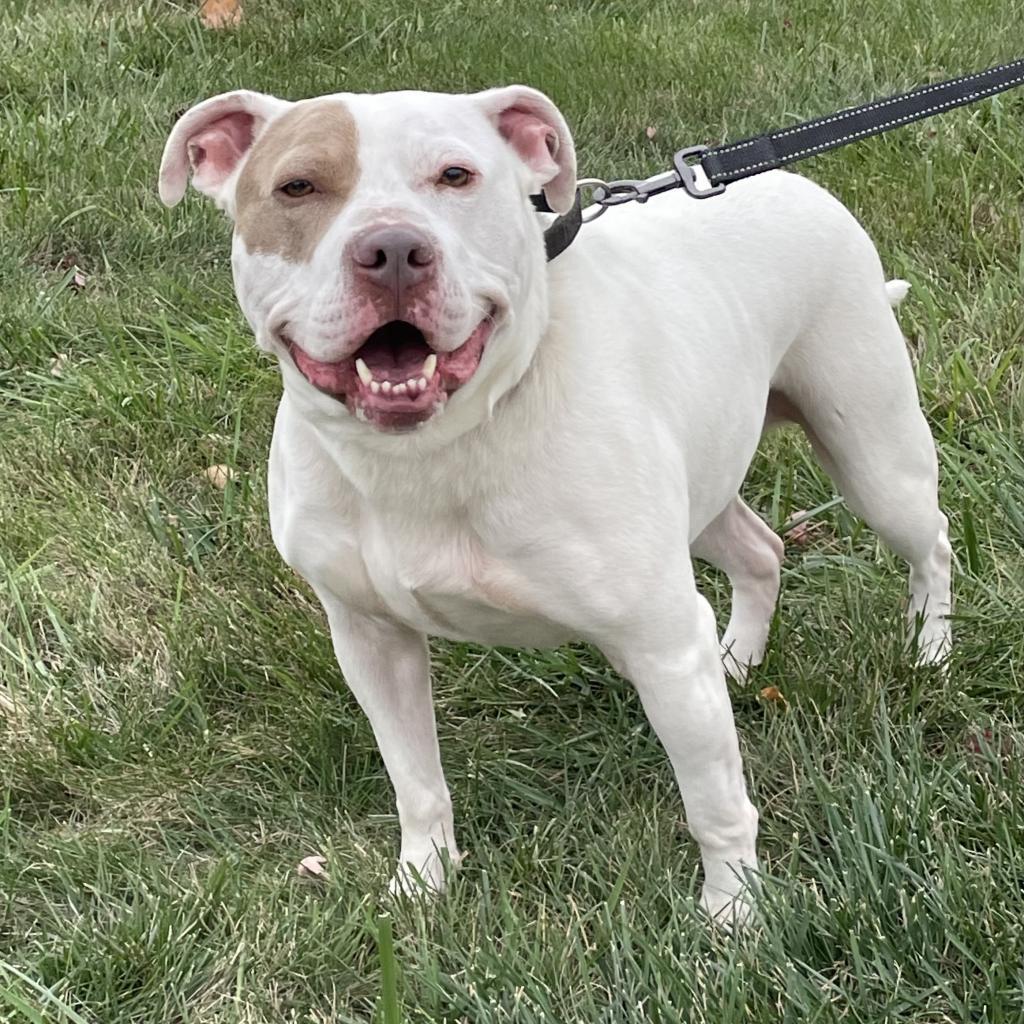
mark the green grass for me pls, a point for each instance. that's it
(174, 733)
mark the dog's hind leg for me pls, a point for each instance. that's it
(742, 545)
(851, 386)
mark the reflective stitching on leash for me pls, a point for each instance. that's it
(873, 106)
(873, 129)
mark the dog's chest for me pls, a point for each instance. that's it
(442, 579)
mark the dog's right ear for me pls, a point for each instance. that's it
(211, 139)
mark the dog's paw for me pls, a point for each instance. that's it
(424, 875)
(730, 911)
(934, 642)
(734, 668)
(731, 886)
(739, 655)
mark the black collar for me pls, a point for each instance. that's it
(560, 232)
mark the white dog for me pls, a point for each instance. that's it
(478, 445)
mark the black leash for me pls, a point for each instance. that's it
(734, 161)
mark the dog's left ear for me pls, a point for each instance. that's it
(534, 127)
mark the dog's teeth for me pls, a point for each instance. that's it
(364, 372)
(398, 389)
(423, 383)
(374, 387)
(386, 387)
(413, 384)
(429, 365)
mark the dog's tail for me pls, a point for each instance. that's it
(896, 291)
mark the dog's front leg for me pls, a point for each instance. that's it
(675, 665)
(387, 667)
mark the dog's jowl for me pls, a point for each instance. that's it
(476, 444)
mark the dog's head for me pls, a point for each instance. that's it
(384, 244)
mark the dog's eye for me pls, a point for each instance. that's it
(298, 188)
(455, 177)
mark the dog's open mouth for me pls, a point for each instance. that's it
(395, 380)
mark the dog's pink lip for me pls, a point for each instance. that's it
(394, 354)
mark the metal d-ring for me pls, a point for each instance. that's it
(596, 207)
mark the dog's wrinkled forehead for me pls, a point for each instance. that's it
(348, 145)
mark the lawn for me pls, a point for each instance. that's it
(174, 733)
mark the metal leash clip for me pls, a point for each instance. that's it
(684, 163)
(616, 193)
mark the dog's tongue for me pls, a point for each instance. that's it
(395, 353)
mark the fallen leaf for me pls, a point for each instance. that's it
(773, 693)
(219, 475)
(651, 131)
(804, 532)
(77, 280)
(221, 13)
(979, 741)
(57, 364)
(313, 866)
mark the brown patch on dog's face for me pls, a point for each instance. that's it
(316, 141)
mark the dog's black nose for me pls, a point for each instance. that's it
(396, 255)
